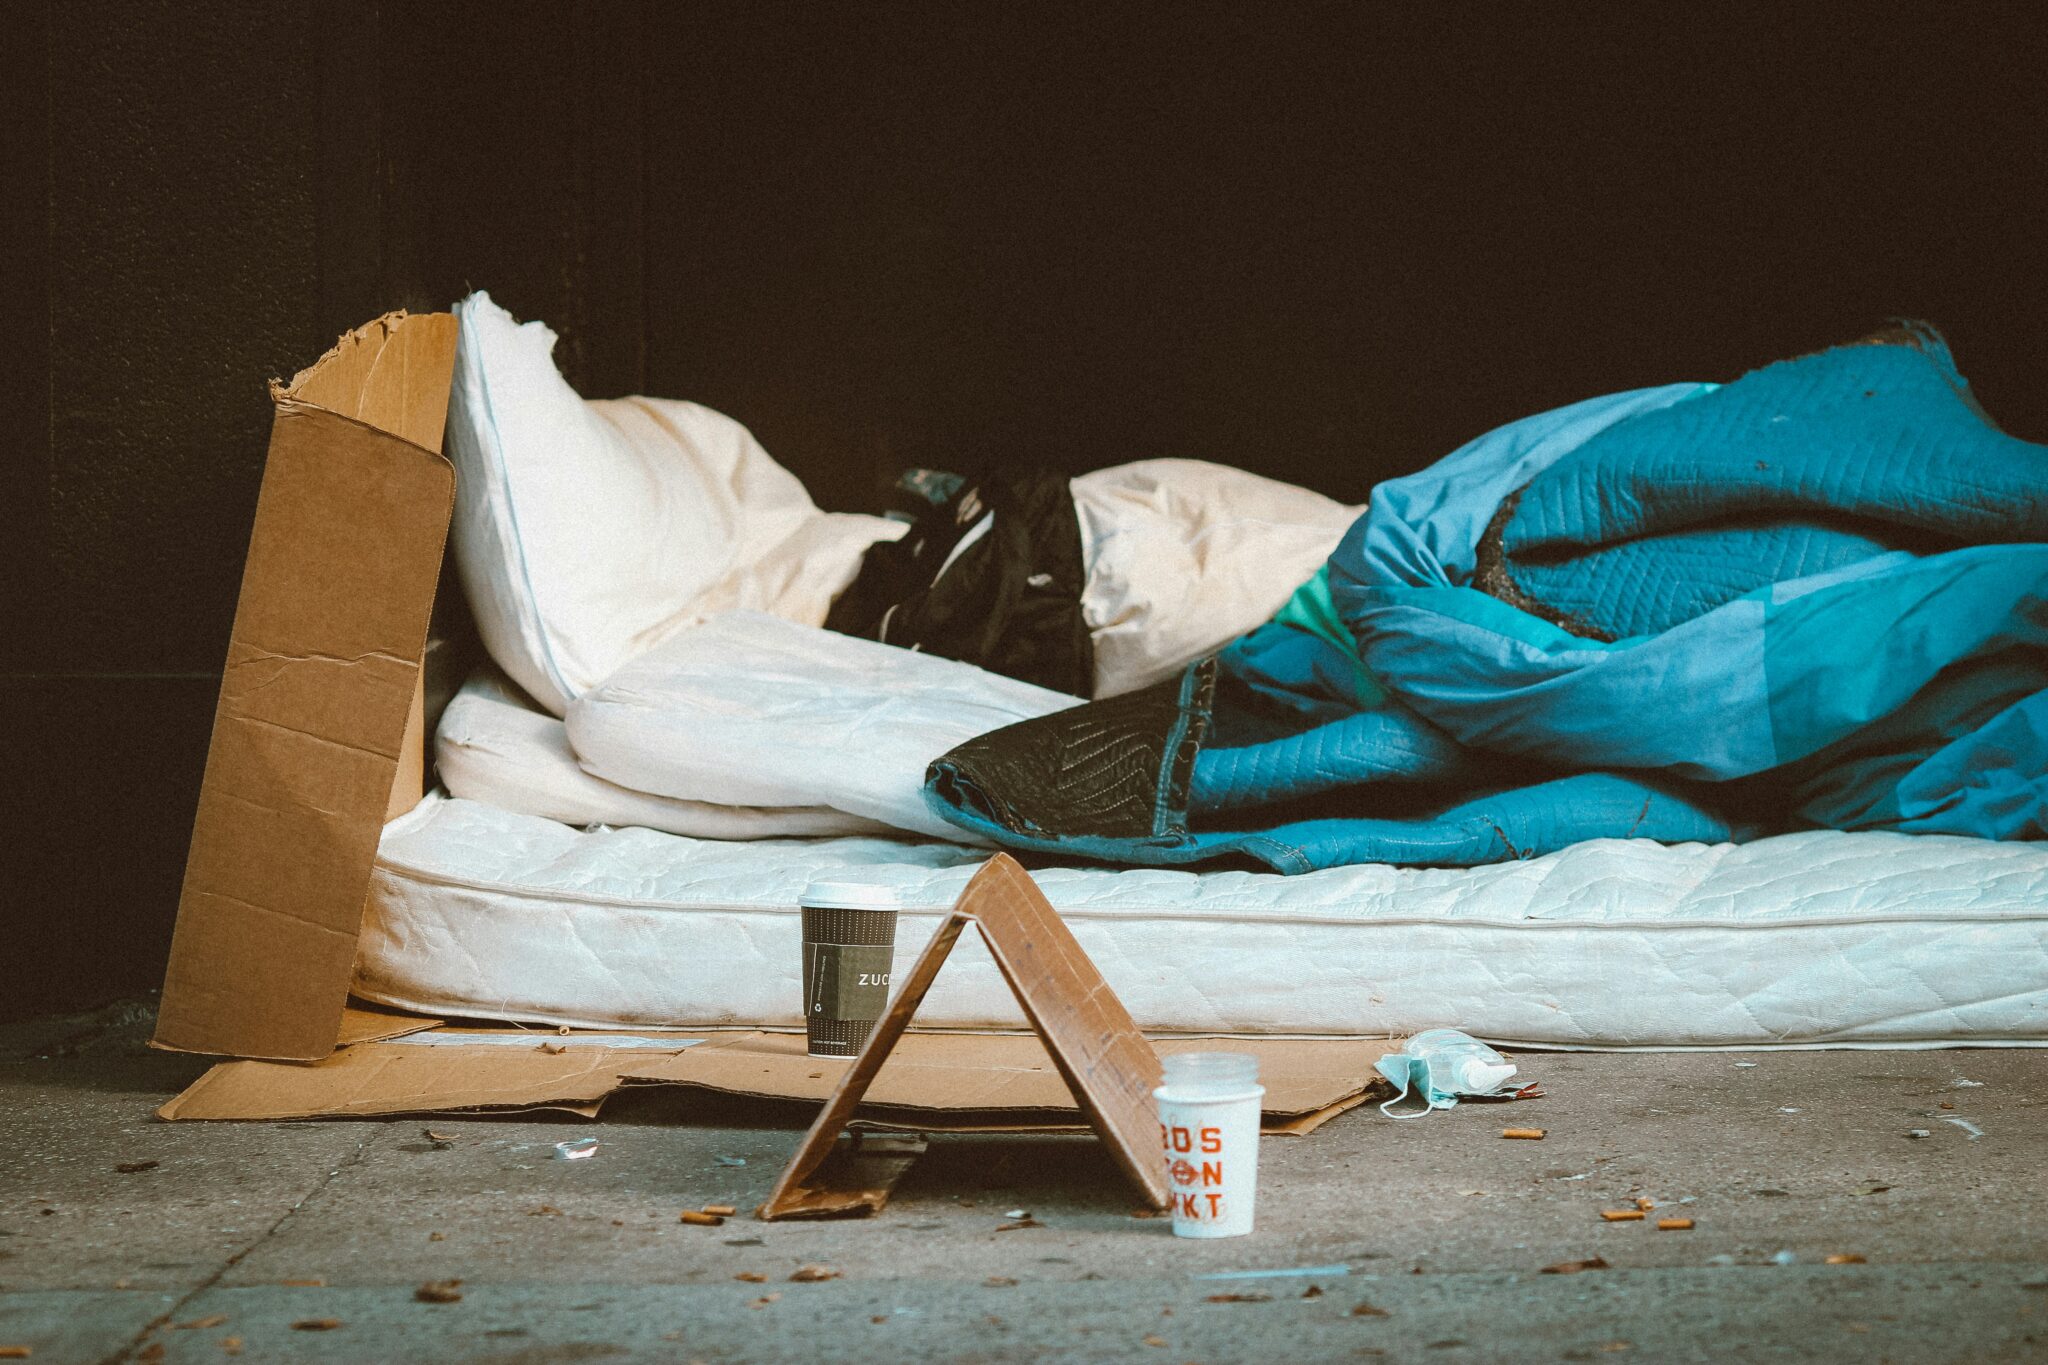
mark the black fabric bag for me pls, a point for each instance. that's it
(992, 576)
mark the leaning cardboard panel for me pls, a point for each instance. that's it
(318, 712)
(1107, 1064)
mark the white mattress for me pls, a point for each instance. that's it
(1823, 939)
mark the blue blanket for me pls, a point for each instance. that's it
(1816, 596)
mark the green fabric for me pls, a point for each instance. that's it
(1311, 609)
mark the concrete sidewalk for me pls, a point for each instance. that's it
(1420, 1240)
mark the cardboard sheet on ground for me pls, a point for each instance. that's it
(933, 1082)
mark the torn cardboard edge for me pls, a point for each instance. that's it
(319, 729)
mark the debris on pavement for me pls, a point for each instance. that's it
(438, 1139)
(439, 1291)
(544, 1211)
(1368, 1310)
(701, 1220)
(1241, 1298)
(134, 1167)
(231, 1346)
(1574, 1267)
(577, 1149)
(751, 1277)
(1027, 1221)
(16, 1352)
(998, 1282)
(730, 1160)
(1622, 1215)
(1785, 1258)
(1018, 1213)
(1526, 1134)
(316, 1324)
(200, 1324)
(1915, 1134)
(1674, 1225)
(765, 1300)
(813, 1274)
(719, 1210)
(1972, 1129)
(1155, 1341)
(1643, 1203)
(1845, 1258)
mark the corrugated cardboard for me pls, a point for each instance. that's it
(931, 1082)
(1105, 1062)
(310, 735)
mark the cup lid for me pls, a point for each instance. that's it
(845, 894)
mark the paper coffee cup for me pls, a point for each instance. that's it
(849, 943)
(1209, 1128)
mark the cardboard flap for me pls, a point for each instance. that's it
(322, 672)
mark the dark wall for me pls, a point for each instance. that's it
(1326, 242)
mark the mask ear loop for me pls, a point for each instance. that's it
(1409, 1092)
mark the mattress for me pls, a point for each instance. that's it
(1816, 939)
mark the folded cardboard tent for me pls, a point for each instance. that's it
(320, 864)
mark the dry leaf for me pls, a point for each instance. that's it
(1845, 1258)
(1674, 1225)
(998, 1282)
(231, 1345)
(1155, 1341)
(544, 1211)
(439, 1291)
(752, 1277)
(879, 1317)
(1574, 1267)
(1239, 1298)
(1622, 1215)
(131, 1167)
(316, 1324)
(1027, 1221)
(701, 1220)
(812, 1274)
(1314, 1291)
(437, 1237)
(1366, 1310)
(720, 1210)
(764, 1300)
(200, 1324)
(1529, 1134)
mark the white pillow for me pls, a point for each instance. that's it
(587, 532)
(1183, 556)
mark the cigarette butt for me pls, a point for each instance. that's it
(1532, 1134)
(1844, 1258)
(1646, 1203)
(720, 1210)
(1622, 1215)
(1674, 1225)
(702, 1220)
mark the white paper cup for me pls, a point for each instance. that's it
(1209, 1131)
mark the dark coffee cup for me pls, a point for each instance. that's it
(849, 943)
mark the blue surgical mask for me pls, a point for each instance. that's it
(1438, 1066)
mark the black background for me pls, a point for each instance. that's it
(1325, 242)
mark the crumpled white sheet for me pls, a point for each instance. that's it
(495, 747)
(749, 709)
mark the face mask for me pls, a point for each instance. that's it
(1440, 1065)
